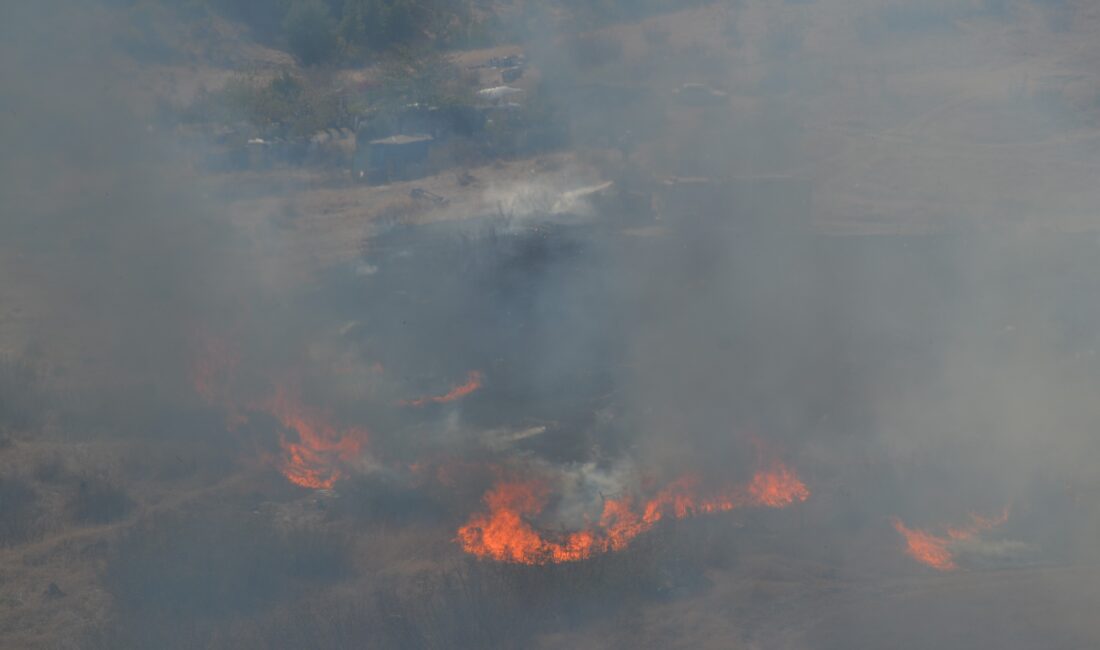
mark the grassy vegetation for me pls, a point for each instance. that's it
(354, 32)
(19, 511)
(286, 105)
(185, 580)
(350, 31)
(21, 401)
(222, 580)
(99, 500)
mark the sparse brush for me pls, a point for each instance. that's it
(223, 581)
(52, 469)
(20, 395)
(373, 499)
(98, 500)
(184, 574)
(19, 512)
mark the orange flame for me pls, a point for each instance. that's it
(473, 383)
(935, 550)
(318, 456)
(926, 548)
(316, 460)
(504, 534)
(778, 487)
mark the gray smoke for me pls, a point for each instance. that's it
(866, 247)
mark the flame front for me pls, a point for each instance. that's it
(935, 550)
(316, 459)
(472, 384)
(504, 533)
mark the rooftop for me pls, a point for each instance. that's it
(403, 139)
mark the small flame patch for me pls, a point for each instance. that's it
(317, 458)
(471, 385)
(936, 551)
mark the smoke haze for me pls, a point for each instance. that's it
(787, 340)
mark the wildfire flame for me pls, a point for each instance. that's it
(936, 550)
(317, 458)
(504, 533)
(472, 384)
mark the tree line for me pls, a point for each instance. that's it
(350, 31)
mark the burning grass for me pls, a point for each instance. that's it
(179, 593)
(317, 458)
(504, 532)
(472, 384)
(937, 551)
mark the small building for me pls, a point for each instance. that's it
(258, 153)
(398, 157)
(499, 94)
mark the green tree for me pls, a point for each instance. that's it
(423, 76)
(310, 31)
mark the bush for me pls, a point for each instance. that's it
(286, 105)
(310, 32)
(20, 397)
(322, 31)
(51, 470)
(18, 512)
(423, 76)
(98, 500)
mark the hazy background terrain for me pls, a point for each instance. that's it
(857, 238)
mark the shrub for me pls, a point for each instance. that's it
(98, 500)
(310, 31)
(20, 397)
(286, 105)
(18, 512)
(51, 470)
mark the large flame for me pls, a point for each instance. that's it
(473, 383)
(318, 458)
(936, 550)
(504, 532)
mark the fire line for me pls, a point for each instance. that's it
(503, 533)
(471, 385)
